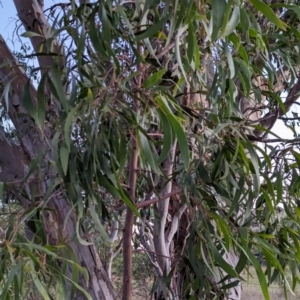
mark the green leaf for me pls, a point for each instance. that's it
(245, 22)
(75, 271)
(254, 161)
(68, 127)
(182, 141)
(60, 289)
(32, 246)
(127, 201)
(80, 239)
(196, 53)
(13, 272)
(190, 42)
(234, 20)
(98, 224)
(228, 10)
(231, 285)
(279, 187)
(222, 263)
(27, 101)
(168, 138)
(238, 196)
(1, 190)
(154, 78)
(260, 274)
(59, 88)
(6, 94)
(106, 25)
(203, 173)
(223, 228)
(33, 166)
(152, 30)
(38, 284)
(30, 34)
(41, 102)
(95, 38)
(218, 13)
(64, 157)
(225, 169)
(81, 289)
(235, 39)
(112, 54)
(268, 201)
(146, 152)
(178, 56)
(268, 13)
(80, 43)
(230, 62)
(246, 74)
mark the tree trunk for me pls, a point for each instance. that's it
(31, 142)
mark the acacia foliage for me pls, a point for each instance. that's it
(185, 87)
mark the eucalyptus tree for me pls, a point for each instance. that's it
(144, 127)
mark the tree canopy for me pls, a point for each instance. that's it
(149, 130)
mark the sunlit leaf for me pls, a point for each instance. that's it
(269, 13)
(218, 11)
(232, 23)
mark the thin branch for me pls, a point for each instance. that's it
(170, 46)
(174, 226)
(62, 5)
(168, 257)
(292, 97)
(160, 198)
(297, 140)
(159, 238)
(129, 219)
(150, 252)
(114, 231)
(81, 2)
(155, 134)
(290, 119)
(112, 255)
(164, 52)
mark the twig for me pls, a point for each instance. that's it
(62, 5)
(155, 200)
(127, 237)
(297, 140)
(290, 100)
(170, 46)
(289, 119)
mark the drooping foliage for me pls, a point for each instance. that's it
(157, 116)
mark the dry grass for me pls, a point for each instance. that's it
(252, 290)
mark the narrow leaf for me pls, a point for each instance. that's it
(268, 13)
(154, 78)
(218, 12)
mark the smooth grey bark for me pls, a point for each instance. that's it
(160, 238)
